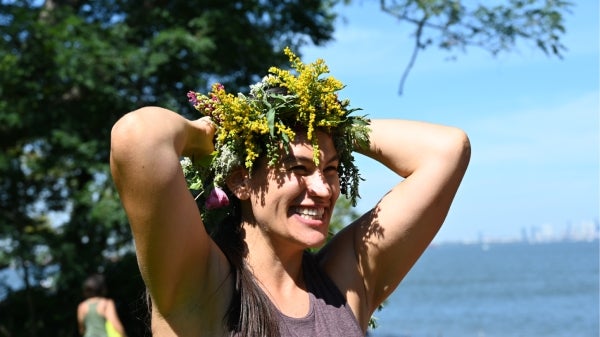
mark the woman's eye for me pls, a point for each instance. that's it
(331, 169)
(299, 169)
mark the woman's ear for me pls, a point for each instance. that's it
(237, 182)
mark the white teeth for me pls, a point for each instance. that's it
(310, 213)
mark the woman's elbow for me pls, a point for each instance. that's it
(457, 148)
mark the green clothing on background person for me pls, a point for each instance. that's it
(96, 310)
(94, 322)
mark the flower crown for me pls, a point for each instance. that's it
(260, 123)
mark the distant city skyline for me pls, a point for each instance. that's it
(575, 232)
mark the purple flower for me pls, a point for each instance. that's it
(192, 97)
(216, 199)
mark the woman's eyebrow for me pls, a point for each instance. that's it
(335, 157)
(301, 158)
(290, 158)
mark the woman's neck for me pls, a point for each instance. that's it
(273, 262)
(279, 274)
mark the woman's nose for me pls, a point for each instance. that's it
(317, 185)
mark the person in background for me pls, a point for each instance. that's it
(96, 309)
(266, 170)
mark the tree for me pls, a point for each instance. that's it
(68, 71)
(496, 27)
(343, 214)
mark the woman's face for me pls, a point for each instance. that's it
(292, 202)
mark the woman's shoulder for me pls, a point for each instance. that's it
(339, 260)
(339, 252)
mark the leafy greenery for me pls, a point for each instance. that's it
(70, 69)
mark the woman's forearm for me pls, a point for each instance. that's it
(404, 146)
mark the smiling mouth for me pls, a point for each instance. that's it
(310, 213)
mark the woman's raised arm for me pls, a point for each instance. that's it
(388, 240)
(432, 159)
(172, 246)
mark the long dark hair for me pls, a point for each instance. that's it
(250, 312)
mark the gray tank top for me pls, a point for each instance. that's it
(329, 314)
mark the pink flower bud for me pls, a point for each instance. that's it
(192, 97)
(216, 199)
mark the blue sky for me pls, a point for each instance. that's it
(532, 119)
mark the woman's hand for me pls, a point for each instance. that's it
(201, 142)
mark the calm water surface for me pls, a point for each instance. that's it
(503, 290)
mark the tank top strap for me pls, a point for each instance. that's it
(329, 316)
(318, 283)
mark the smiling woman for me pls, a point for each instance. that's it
(294, 200)
(276, 161)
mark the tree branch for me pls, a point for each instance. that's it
(418, 45)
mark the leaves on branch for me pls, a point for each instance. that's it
(454, 24)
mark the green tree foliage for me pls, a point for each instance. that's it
(343, 214)
(70, 68)
(68, 71)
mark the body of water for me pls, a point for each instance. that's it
(502, 290)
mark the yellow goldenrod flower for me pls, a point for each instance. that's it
(260, 124)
